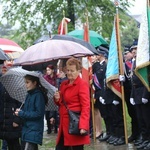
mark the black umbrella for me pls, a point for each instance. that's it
(3, 56)
(42, 39)
(79, 41)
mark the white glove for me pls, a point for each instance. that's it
(115, 102)
(144, 100)
(132, 101)
(102, 100)
(121, 78)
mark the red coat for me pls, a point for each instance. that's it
(77, 98)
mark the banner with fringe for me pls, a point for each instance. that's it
(143, 49)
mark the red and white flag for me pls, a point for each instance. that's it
(86, 61)
(62, 28)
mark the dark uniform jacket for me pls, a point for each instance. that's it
(138, 89)
(8, 106)
(99, 70)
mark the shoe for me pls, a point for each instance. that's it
(100, 136)
(147, 147)
(110, 138)
(104, 138)
(138, 142)
(113, 140)
(120, 141)
(131, 139)
(142, 145)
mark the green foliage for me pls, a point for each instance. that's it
(35, 15)
(130, 31)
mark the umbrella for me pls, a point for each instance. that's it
(3, 56)
(13, 81)
(12, 49)
(95, 38)
(51, 50)
(42, 39)
(79, 41)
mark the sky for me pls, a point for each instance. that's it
(137, 8)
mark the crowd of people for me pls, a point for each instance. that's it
(110, 105)
(27, 122)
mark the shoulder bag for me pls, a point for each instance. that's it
(73, 121)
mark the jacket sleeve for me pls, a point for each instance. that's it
(38, 112)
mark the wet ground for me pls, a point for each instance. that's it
(49, 144)
(93, 146)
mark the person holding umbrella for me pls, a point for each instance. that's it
(32, 113)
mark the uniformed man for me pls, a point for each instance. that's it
(128, 56)
(140, 97)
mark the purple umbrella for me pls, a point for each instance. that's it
(51, 50)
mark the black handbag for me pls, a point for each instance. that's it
(73, 121)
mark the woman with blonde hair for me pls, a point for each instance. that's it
(75, 92)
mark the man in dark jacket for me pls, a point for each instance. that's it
(10, 125)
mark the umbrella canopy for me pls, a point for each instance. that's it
(51, 50)
(42, 39)
(13, 81)
(95, 38)
(11, 48)
(79, 41)
(3, 56)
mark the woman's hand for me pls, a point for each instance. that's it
(57, 96)
(82, 131)
(17, 111)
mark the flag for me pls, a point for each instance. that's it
(112, 70)
(86, 61)
(62, 28)
(143, 49)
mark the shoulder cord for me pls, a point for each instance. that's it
(125, 71)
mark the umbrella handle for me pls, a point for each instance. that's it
(21, 105)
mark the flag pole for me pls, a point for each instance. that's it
(90, 82)
(121, 71)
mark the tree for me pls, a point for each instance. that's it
(129, 32)
(35, 15)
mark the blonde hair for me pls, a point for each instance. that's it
(74, 61)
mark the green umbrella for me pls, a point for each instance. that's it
(95, 38)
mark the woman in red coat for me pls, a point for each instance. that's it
(75, 93)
